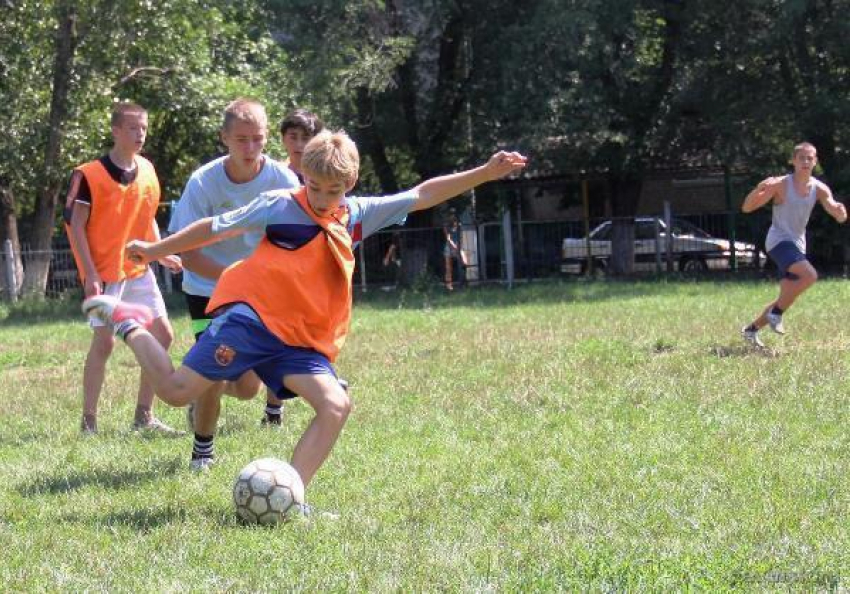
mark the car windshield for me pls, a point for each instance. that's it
(602, 232)
(681, 227)
(645, 229)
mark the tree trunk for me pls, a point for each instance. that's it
(372, 144)
(9, 231)
(625, 193)
(44, 217)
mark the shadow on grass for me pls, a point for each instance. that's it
(15, 437)
(743, 350)
(108, 478)
(144, 520)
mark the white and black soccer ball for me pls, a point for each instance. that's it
(266, 491)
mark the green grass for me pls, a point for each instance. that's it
(613, 436)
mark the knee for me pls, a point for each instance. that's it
(336, 407)
(242, 392)
(102, 346)
(245, 388)
(813, 277)
(163, 333)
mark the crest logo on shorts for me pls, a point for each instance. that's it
(224, 355)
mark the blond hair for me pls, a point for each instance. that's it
(331, 156)
(803, 146)
(245, 110)
(119, 110)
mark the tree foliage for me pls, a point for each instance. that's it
(609, 87)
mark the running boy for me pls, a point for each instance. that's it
(285, 310)
(794, 197)
(111, 201)
(221, 185)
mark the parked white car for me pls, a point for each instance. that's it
(693, 249)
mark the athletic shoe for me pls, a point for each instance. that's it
(88, 427)
(155, 426)
(775, 321)
(272, 420)
(121, 317)
(308, 512)
(752, 336)
(201, 464)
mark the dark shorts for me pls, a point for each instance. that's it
(197, 305)
(235, 343)
(785, 254)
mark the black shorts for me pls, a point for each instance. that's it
(198, 312)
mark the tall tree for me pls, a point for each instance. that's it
(35, 280)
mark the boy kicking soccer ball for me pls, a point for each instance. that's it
(284, 311)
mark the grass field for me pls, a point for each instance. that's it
(564, 436)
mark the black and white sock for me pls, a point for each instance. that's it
(273, 412)
(203, 447)
(123, 329)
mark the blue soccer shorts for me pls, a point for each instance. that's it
(235, 343)
(785, 254)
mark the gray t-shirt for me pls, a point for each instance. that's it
(791, 217)
(208, 193)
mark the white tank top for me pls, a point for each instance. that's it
(791, 217)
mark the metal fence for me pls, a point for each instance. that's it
(506, 251)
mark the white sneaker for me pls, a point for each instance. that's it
(201, 464)
(752, 336)
(308, 512)
(121, 317)
(775, 321)
(154, 426)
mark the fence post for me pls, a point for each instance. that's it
(668, 221)
(507, 234)
(11, 280)
(585, 200)
(727, 189)
(482, 252)
(658, 246)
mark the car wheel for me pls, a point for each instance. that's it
(598, 269)
(692, 265)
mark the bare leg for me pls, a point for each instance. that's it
(332, 406)
(94, 373)
(449, 271)
(177, 388)
(164, 334)
(246, 387)
(790, 289)
(208, 409)
(273, 400)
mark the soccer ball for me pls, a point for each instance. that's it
(266, 491)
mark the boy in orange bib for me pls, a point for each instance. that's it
(112, 201)
(284, 311)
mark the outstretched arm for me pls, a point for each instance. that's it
(762, 194)
(835, 209)
(439, 189)
(196, 235)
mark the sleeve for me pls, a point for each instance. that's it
(253, 216)
(78, 191)
(370, 215)
(190, 208)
